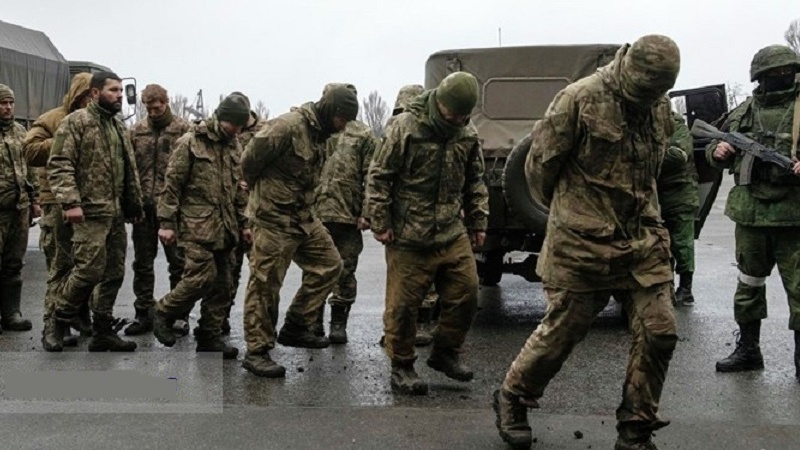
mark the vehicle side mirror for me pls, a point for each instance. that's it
(130, 93)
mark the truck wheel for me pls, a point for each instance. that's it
(517, 193)
(490, 270)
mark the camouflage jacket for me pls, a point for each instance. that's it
(83, 169)
(40, 137)
(282, 165)
(596, 167)
(202, 199)
(677, 182)
(340, 194)
(248, 133)
(14, 187)
(773, 197)
(419, 185)
(152, 147)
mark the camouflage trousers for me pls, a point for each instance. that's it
(206, 277)
(758, 250)
(98, 252)
(145, 250)
(273, 251)
(680, 225)
(409, 275)
(55, 240)
(430, 298)
(566, 322)
(349, 243)
(13, 245)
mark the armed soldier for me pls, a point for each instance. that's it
(339, 204)
(55, 237)
(16, 197)
(153, 140)
(594, 160)
(428, 169)
(765, 203)
(678, 199)
(282, 165)
(92, 174)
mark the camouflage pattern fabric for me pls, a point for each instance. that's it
(349, 243)
(56, 243)
(411, 272)
(680, 226)
(13, 169)
(13, 245)
(145, 250)
(405, 96)
(273, 250)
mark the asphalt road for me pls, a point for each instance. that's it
(340, 397)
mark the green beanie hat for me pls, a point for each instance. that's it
(6, 92)
(458, 92)
(234, 109)
(338, 100)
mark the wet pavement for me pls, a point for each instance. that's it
(340, 397)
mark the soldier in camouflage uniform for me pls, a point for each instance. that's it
(282, 166)
(594, 161)
(92, 174)
(153, 140)
(339, 205)
(679, 200)
(429, 168)
(766, 211)
(202, 210)
(16, 197)
(55, 237)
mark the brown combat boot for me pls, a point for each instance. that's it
(424, 335)
(260, 364)
(512, 419)
(338, 329)
(448, 361)
(293, 335)
(747, 355)
(405, 379)
(209, 341)
(104, 336)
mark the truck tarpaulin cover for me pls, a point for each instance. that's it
(33, 68)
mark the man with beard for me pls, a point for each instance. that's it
(282, 166)
(153, 140)
(594, 160)
(16, 197)
(428, 169)
(55, 238)
(92, 174)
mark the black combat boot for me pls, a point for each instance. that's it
(83, 324)
(747, 355)
(226, 324)
(684, 296)
(424, 328)
(797, 355)
(162, 328)
(260, 364)
(209, 341)
(293, 335)
(405, 379)
(319, 328)
(9, 309)
(637, 435)
(512, 419)
(70, 340)
(104, 336)
(338, 330)
(180, 327)
(53, 334)
(143, 323)
(448, 361)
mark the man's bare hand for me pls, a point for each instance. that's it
(74, 215)
(723, 151)
(796, 166)
(387, 237)
(247, 236)
(36, 211)
(363, 224)
(167, 237)
(478, 238)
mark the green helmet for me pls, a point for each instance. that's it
(771, 57)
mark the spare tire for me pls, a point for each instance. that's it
(517, 192)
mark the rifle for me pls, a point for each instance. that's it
(751, 148)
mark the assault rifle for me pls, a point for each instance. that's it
(751, 148)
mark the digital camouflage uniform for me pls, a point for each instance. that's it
(92, 165)
(425, 173)
(679, 200)
(153, 141)
(767, 211)
(15, 201)
(594, 160)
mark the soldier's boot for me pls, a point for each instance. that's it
(162, 328)
(338, 330)
(747, 355)
(405, 379)
(209, 341)
(70, 340)
(260, 364)
(293, 335)
(104, 336)
(143, 322)
(84, 322)
(512, 419)
(9, 309)
(319, 328)
(797, 355)
(53, 334)
(424, 335)
(226, 324)
(448, 361)
(637, 435)
(180, 327)
(684, 296)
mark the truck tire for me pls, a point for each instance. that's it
(517, 193)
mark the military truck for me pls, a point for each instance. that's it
(516, 86)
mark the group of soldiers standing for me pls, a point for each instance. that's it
(609, 159)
